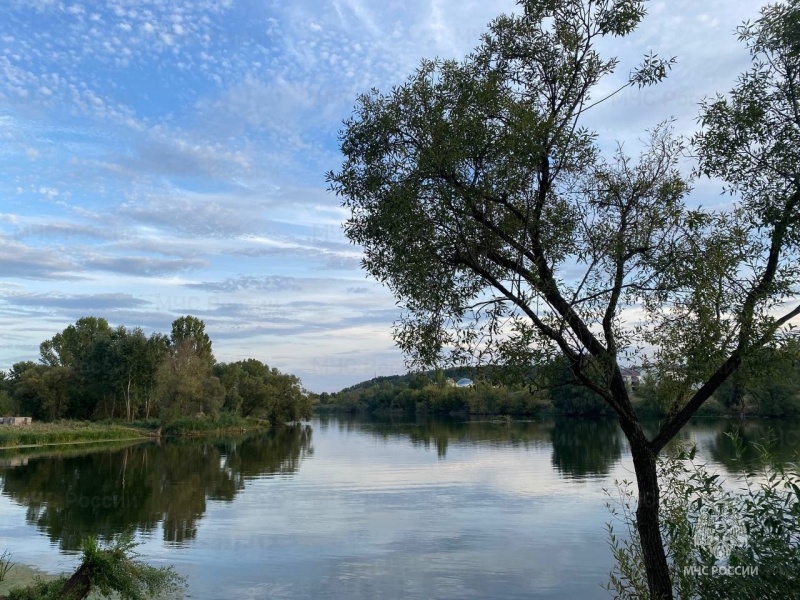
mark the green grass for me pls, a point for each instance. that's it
(64, 432)
(71, 432)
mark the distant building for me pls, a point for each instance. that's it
(632, 377)
(15, 420)
(464, 383)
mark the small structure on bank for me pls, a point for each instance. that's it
(15, 420)
(632, 377)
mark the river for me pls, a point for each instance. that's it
(351, 508)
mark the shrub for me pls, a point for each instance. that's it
(39, 590)
(111, 570)
(719, 544)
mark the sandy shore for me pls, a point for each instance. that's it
(21, 576)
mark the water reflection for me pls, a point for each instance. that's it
(444, 433)
(586, 447)
(108, 491)
(580, 447)
(781, 440)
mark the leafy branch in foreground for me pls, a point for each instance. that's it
(720, 543)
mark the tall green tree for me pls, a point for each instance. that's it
(190, 332)
(157, 350)
(182, 385)
(84, 349)
(132, 368)
(477, 194)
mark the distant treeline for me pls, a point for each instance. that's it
(93, 371)
(768, 387)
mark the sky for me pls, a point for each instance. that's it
(168, 157)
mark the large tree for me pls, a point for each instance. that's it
(183, 385)
(509, 236)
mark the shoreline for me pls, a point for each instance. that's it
(43, 435)
(20, 575)
(76, 442)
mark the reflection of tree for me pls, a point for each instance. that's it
(583, 447)
(443, 433)
(780, 437)
(580, 447)
(106, 492)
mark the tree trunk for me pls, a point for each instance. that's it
(128, 401)
(79, 586)
(647, 523)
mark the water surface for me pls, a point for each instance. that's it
(351, 508)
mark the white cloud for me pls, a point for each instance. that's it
(175, 153)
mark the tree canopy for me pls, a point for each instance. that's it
(93, 371)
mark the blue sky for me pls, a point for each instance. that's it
(163, 157)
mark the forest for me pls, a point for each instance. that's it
(92, 371)
(771, 388)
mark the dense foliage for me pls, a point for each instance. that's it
(93, 371)
(436, 392)
(551, 389)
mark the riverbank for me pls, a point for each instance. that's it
(20, 576)
(66, 432)
(81, 432)
(23, 576)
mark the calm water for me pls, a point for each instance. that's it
(350, 508)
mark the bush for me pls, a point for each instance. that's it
(200, 424)
(111, 570)
(719, 544)
(711, 408)
(40, 590)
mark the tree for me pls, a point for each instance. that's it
(67, 348)
(132, 368)
(157, 350)
(83, 348)
(256, 390)
(43, 392)
(191, 332)
(477, 195)
(181, 381)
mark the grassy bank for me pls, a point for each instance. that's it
(75, 432)
(20, 576)
(65, 432)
